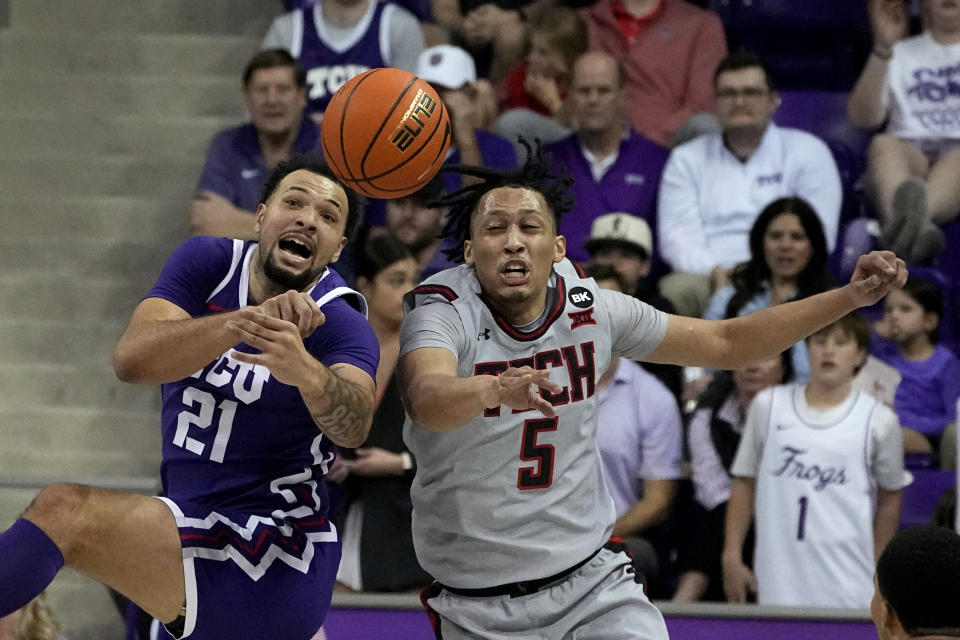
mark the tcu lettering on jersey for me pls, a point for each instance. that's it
(325, 81)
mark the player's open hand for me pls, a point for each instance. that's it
(281, 347)
(518, 388)
(296, 307)
(876, 274)
(738, 580)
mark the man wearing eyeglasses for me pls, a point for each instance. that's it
(715, 185)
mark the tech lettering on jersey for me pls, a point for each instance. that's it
(580, 367)
(821, 477)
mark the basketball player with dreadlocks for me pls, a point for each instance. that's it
(499, 362)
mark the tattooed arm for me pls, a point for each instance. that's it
(342, 403)
(340, 398)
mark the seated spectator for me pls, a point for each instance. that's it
(240, 158)
(926, 398)
(715, 186)
(909, 83)
(916, 586)
(713, 434)
(668, 49)
(788, 259)
(451, 71)
(614, 168)
(624, 243)
(338, 39)
(34, 621)
(493, 31)
(377, 543)
(640, 434)
(807, 466)
(416, 224)
(533, 98)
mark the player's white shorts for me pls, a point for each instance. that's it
(599, 601)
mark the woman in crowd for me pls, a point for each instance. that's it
(377, 544)
(713, 436)
(788, 258)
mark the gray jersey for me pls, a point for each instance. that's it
(510, 495)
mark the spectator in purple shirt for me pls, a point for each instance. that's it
(926, 398)
(274, 88)
(640, 434)
(614, 168)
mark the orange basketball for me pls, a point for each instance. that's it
(385, 133)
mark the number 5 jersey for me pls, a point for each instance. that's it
(513, 495)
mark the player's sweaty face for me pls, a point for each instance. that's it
(301, 229)
(512, 247)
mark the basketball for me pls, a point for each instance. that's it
(385, 133)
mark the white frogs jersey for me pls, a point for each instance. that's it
(514, 496)
(815, 499)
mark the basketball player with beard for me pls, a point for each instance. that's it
(267, 363)
(499, 360)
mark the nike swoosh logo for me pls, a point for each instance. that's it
(247, 174)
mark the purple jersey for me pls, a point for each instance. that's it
(630, 185)
(328, 69)
(237, 440)
(235, 168)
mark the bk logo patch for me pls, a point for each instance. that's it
(580, 297)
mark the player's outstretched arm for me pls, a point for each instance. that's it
(438, 399)
(737, 342)
(340, 398)
(163, 343)
(738, 581)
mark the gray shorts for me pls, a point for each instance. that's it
(599, 601)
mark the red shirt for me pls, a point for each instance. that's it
(629, 24)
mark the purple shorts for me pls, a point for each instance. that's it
(254, 577)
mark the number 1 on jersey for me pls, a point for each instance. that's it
(802, 521)
(539, 476)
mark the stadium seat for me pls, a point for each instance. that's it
(921, 496)
(814, 44)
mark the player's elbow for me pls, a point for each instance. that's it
(126, 364)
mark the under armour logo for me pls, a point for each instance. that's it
(485, 334)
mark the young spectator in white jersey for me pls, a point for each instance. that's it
(821, 465)
(499, 359)
(917, 589)
(713, 434)
(909, 83)
(640, 434)
(714, 187)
